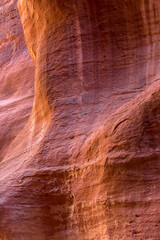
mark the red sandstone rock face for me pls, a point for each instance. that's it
(16, 76)
(86, 164)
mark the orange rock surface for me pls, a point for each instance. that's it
(84, 163)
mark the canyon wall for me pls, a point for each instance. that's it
(16, 75)
(84, 163)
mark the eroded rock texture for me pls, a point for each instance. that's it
(86, 164)
(16, 76)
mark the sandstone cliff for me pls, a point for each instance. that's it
(84, 163)
(16, 76)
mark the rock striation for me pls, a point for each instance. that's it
(85, 165)
(16, 76)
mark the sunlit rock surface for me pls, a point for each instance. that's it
(85, 166)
